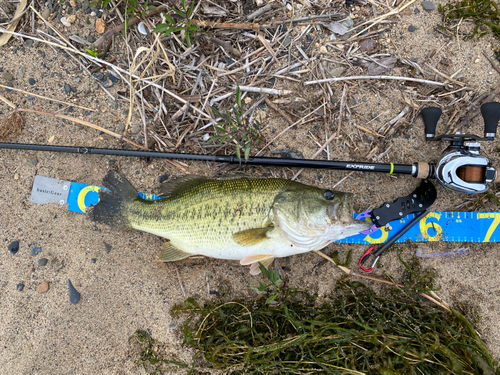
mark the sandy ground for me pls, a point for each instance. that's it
(128, 288)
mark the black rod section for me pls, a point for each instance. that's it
(278, 162)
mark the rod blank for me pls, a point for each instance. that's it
(264, 161)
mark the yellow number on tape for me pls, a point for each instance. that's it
(424, 227)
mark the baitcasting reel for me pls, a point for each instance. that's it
(462, 168)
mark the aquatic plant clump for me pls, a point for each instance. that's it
(483, 12)
(358, 332)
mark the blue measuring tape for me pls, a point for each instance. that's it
(435, 226)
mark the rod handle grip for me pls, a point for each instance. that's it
(491, 115)
(431, 116)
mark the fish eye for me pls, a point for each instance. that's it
(328, 195)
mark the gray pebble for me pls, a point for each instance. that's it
(31, 81)
(69, 11)
(411, 28)
(50, 32)
(107, 248)
(113, 78)
(7, 76)
(28, 43)
(31, 97)
(20, 287)
(67, 88)
(77, 79)
(13, 247)
(172, 325)
(91, 39)
(163, 178)
(136, 129)
(121, 127)
(21, 72)
(85, 5)
(428, 6)
(35, 251)
(41, 53)
(58, 17)
(46, 13)
(42, 262)
(33, 162)
(74, 295)
(99, 76)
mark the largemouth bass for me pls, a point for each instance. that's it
(247, 219)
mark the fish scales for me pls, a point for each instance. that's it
(246, 219)
(215, 209)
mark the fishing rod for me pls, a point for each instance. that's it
(461, 168)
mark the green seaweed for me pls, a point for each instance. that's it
(483, 12)
(356, 332)
(150, 357)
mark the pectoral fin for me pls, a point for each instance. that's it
(256, 258)
(251, 237)
(170, 253)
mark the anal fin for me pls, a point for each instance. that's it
(170, 253)
(250, 237)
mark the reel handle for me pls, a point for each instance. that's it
(491, 115)
(431, 116)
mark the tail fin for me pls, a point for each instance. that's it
(111, 206)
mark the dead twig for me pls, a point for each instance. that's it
(336, 79)
(432, 296)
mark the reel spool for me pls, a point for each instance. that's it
(462, 168)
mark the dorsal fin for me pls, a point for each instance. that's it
(171, 188)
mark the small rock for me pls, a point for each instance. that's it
(91, 39)
(41, 53)
(43, 287)
(411, 28)
(67, 88)
(7, 76)
(428, 6)
(29, 43)
(74, 295)
(65, 21)
(42, 262)
(72, 3)
(71, 19)
(46, 13)
(20, 287)
(100, 26)
(21, 72)
(163, 178)
(58, 17)
(136, 129)
(367, 45)
(13, 247)
(99, 76)
(113, 78)
(93, 260)
(121, 127)
(16, 176)
(337, 72)
(31, 81)
(33, 162)
(107, 248)
(85, 5)
(35, 251)
(69, 12)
